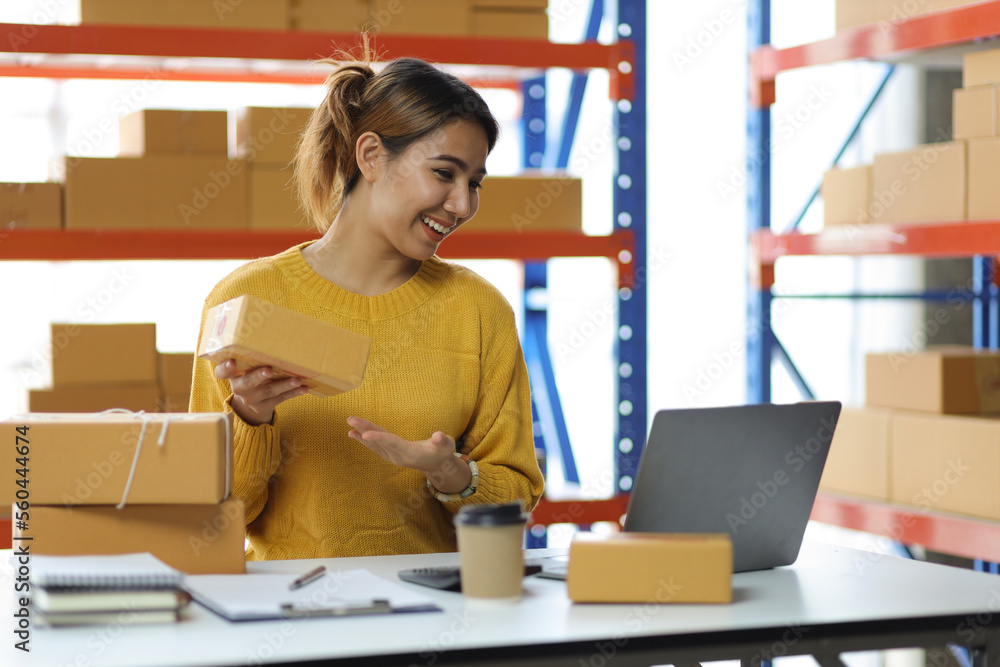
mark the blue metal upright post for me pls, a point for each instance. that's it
(760, 337)
(630, 213)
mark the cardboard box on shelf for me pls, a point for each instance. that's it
(540, 5)
(431, 17)
(30, 206)
(273, 203)
(175, 370)
(888, 13)
(980, 68)
(323, 15)
(847, 196)
(492, 22)
(858, 462)
(269, 134)
(94, 354)
(196, 539)
(923, 184)
(525, 204)
(661, 568)
(983, 195)
(190, 13)
(329, 360)
(945, 380)
(947, 463)
(90, 459)
(96, 398)
(155, 192)
(171, 131)
(974, 112)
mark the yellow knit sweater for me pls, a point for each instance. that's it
(445, 356)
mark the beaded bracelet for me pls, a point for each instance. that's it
(464, 493)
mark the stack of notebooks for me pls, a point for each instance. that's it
(101, 590)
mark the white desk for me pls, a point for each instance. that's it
(832, 600)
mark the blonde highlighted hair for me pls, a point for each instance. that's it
(402, 103)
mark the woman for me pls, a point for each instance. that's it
(390, 165)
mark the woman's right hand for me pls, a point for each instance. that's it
(255, 393)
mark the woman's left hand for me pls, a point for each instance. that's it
(435, 456)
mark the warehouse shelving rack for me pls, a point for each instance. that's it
(976, 539)
(278, 56)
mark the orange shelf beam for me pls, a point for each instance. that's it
(957, 239)
(952, 534)
(106, 244)
(171, 42)
(580, 512)
(899, 35)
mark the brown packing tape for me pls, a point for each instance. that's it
(196, 539)
(116, 458)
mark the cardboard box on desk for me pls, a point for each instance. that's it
(944, 380)
(525, 204)
(847, 196)
(947, 463)
(329, 360)
(650, 567)
(196, 539)
(98, 398)
(30, 205)
(171, 131)
(90, 459)
(858, 462)
(196, 13)
(924, 184)
(111, 354)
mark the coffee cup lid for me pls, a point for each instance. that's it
(492, 515)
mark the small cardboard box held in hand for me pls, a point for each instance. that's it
(329, 360)
(650, 567)
(92, 459)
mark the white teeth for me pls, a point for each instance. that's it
(440, 229)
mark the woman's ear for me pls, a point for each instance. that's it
(367, 152)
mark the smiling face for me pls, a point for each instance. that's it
(424, 194)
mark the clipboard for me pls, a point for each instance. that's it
(344, 593)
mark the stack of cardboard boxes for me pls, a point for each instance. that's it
(98, 367)
(949, 181)
(456, 18)
(928, 436)
(123, 483)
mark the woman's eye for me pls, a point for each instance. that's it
(475, 185)
(443, 173)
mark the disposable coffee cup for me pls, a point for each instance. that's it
(490, 539)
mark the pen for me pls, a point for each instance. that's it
(307, 578)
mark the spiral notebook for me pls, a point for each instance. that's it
(135, 571)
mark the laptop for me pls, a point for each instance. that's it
(749, 471)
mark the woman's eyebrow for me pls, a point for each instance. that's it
(458, 162)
